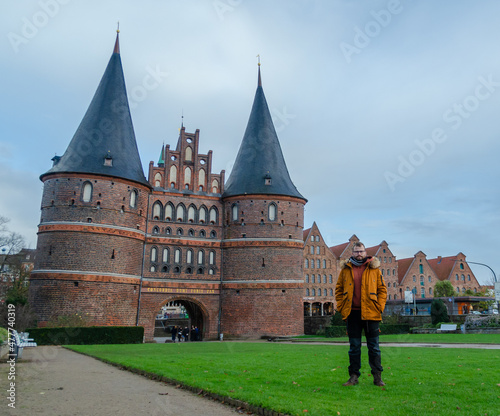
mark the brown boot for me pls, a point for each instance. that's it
(353, 380)
(377, 379)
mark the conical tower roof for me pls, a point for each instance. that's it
(105, 143)
(260, 167)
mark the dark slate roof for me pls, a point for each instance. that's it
(260, 157)
(106, 131)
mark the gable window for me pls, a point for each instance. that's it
(169, 212)
(234, 212)
(213, 216)
(187, 177)
(133, 199)
(201, 179)
(173, 176)
(189, 154)
(157, 210)
(272, 212)
(215, 186)
(202, 215)
(191, 214)
(180, 213)
(158, 180)
(87, 192)
(154, 254)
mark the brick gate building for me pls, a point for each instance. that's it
(117, 246)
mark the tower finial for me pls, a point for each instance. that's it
(117, 43)
(259, 83)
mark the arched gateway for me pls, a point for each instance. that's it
(182, 313)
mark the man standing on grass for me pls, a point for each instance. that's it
(361, 295)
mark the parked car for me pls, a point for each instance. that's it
(476, 313)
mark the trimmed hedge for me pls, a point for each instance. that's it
(385, 329)
(88, 335)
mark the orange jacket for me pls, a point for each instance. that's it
(373, 291)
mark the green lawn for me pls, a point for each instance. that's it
(307, 379)
(418, 338)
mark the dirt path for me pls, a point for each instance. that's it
(53, 381)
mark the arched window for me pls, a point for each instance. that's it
(461, 266)
(202, 233)
(307, 292)
(189, 154)
(166, 255)
(152, 268)
(318, 248)
(307, 278)
(324, 280)
(272, 212)
(330, 278)
(331, 292)
(191, 214)
(234, 212)
(421, 268)
(202, 215)
(201, 257)
(313, 292)
(213, 216)
(201, 179)
(156, 230)
(169, 212)
(211, 258)
(180, 231)
(312, 249)
(189, 256)
(215, 186)
(173, 175)
(318, 264)
(213, 234)
(313, 278)
(211, 271)
(306, 264)
(181, 212)
(177, 255)
(187, 177)
(133, 199)
(157, 207)
(87, 192)
(168, 231)
(324, 264)
(154, 254)
(158, 179)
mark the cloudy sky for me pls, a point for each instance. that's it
(387, 111)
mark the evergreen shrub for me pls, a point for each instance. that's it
(88, 335)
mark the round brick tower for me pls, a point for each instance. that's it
(93, 214)
(262, 285)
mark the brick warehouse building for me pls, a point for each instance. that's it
(118, 246)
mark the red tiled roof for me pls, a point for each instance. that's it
(403, 266)
(338, 250)
(305, 233)
(442, 266)
(371, 251)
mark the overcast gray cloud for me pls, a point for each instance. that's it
(386, 110)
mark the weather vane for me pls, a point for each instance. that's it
(118, 27)
(258, 57)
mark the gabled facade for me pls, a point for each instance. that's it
(320, 274)
(456, 270)
(388, 267)
(417, 275)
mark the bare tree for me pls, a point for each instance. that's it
(10, 242)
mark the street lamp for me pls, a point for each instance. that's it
(485, 265)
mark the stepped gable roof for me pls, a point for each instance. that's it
(260, 168)
(403, 266)
(338, 250)
(442, 266)
(104, 143)
(372, 251)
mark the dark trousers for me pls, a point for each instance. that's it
(355, 325)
